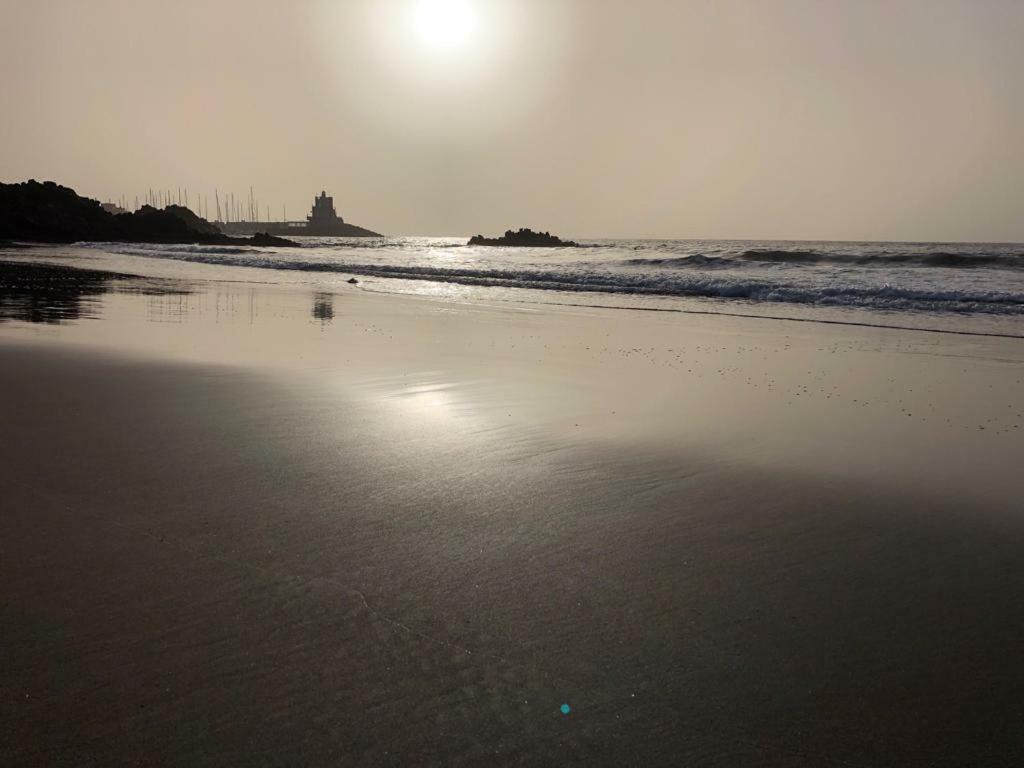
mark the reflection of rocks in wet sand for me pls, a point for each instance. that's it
(323, 307)
(47, 293)
(524, 238)
(37, 293)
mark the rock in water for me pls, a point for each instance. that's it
(524, 238)
(271, 241)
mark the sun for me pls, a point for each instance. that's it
(444, 25)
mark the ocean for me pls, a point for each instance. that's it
(965, 287)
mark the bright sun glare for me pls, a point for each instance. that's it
(444, 25)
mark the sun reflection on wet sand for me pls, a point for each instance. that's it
(768, 393)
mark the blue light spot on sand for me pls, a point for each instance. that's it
(565, 709)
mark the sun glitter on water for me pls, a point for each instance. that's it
(444, 25)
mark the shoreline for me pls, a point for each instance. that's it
(525, 301)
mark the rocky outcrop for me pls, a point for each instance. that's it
(173, 224)
(524, 238)
(265, 240)
(49, 213)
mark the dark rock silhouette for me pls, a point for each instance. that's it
(524, 238)
(173, 224)
(265, 240)
(49, 213)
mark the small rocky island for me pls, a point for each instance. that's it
(49, 213)
(524, 238)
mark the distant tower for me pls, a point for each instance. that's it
(323, 216)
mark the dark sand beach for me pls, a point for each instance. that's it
(484, 383)
(257, 525)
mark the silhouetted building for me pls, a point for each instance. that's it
(323, 211)
(323, 221)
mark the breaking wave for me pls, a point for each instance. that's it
(652, 282)
(933, 259)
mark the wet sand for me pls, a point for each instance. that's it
(260, 525)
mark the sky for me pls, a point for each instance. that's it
(773, 119)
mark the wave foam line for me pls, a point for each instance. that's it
(886, 297)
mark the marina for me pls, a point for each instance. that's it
(242, 216)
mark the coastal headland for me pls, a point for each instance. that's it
(49, 213)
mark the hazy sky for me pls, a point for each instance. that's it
(759, 119)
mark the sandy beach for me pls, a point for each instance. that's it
(257, 524)
(458, 383)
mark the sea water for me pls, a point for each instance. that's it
(967, 287)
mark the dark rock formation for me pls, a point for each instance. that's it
(524, 238)
(172, 224)
(264, 240)
(49, 213)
